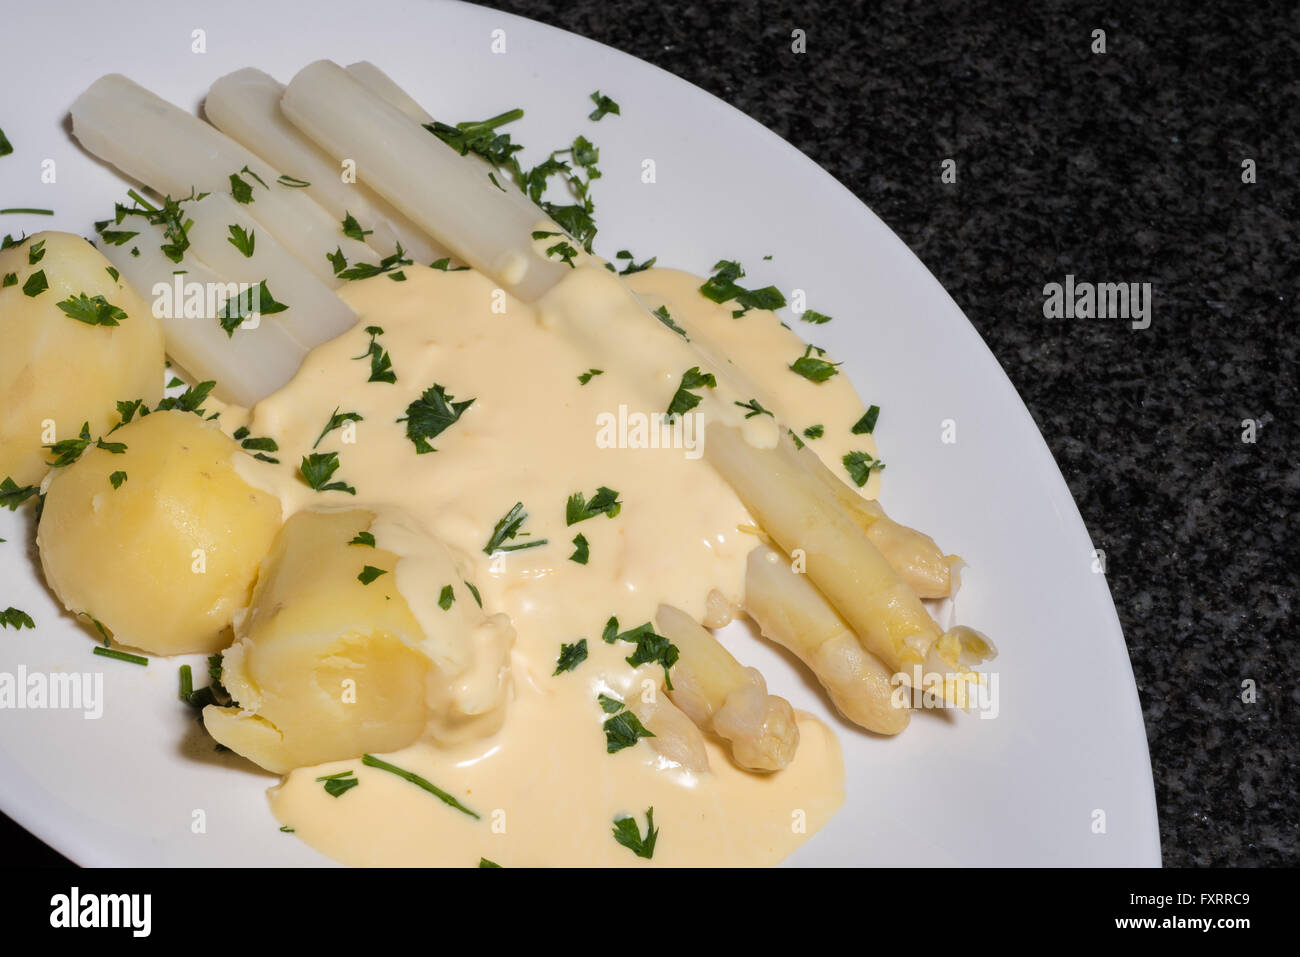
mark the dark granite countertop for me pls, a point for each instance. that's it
(1125, 166)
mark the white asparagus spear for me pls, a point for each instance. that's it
(173, 152)
(247, 366)
(721, 695)
(452, 200)
(245, 105)
(314, 314)
(676, 737)
(913, 554)
(796, 509)
(384, 87)
(790, 611)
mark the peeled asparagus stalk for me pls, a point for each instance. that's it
(246, 366)
(721, 695)
(799, 513)
(790, 610)
(383, 86)
(676, 737)
(452, 200)
(314, 314)
(245, 105)
(914, 555)
(173, 152)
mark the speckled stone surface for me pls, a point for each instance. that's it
(1123, 166)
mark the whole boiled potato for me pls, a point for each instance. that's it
(159, 541)
(76, 341)
(326, 664)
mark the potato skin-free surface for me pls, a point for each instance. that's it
(324, 667)
(55, 369)
(165, 560)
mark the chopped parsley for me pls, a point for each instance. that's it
(10, 279)
(446, 597)
(241, 240)
(381, 365)
(604, 106)
(570, 657)
(336, 785)
(604, 502)
(93, 311)
(683, 399)
(623, 730)
(484, 862)
(120, 655)
(36, 284)
(12, 494)
(632, 265)
(69, 450)
(444, 265)
(813, 368)
(662, 315)
(860, 465)
(241, 307)
(814, 431)
(337, 420)
(506, 529)
(364, 538)
(431, 415)
(16, 619)
(352, 229)
(117, 478)
(370, 761)
(394, 260)
(115, 448)
(171, 218)
(5, 146)
(36, 253)
(258, 445)
(867, 424)
(722, 287)
(581, 550)
(316, 470)
(369, 573)
(589, 375)
(755, 408)
(564, 251)
(191, 400)
(649, 646)
(627, 833)
(813, 316)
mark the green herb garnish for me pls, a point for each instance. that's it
(369, 760)
(867, 424)
(369, 573)
(570, 656)
(860, 465)
(581, 550)
(506, 529)
(604, 502)
(683, 399)
(627, 833)
(430, 415)
(316, 470)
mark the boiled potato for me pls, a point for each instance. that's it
(167, 557)
(325, 666)
(57, 372)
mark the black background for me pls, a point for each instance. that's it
(1125, 167)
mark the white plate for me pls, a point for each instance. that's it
(1024, 788)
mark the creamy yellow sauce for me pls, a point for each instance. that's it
(545, 788)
